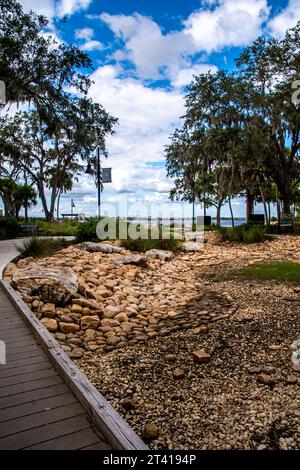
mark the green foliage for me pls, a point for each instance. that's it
(143, 245)
(34, 66)
(9, 228)
(62, 228)
(244, 233)
(241, 129)
(51, 140)
(15, 196)
(272, 229)
(86, 231)
(278, 270)
(41, 247)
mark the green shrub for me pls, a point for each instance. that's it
(9, 228)
(159, 243)
(86, 231)
(40, 247)
(272, 228)
(244, 233)
(61, 228)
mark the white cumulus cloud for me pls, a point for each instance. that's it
(154, 54)
(185, 76)
(286, 19)
(89, 44)
(69, 7)
(227, 23)
(147, 117)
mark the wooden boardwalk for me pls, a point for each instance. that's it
(38, 409)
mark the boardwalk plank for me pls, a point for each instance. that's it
(34, 385)
(33, 395)
(39, 419)
(36, 406)
(71, 441)
(21, 358)
(30, 377)
(25, 369)
(44, 433)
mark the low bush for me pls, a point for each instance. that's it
(163, 239)
(143, 245)
(9, 228)
(40, 247)
(61, 228)
(86, 231)
(244, 234)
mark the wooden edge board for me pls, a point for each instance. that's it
(110, 423)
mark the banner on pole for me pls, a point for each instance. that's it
(106, 175)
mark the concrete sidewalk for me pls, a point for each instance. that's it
(9, 250)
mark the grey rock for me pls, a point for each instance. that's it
(137, 260)
(192, 246)
(100, 247)
(163, 255)
(50, 283)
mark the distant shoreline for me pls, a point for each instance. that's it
(181, 218)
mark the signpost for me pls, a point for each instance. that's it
(103, 175)
(106, 175)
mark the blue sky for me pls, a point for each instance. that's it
(144, 54)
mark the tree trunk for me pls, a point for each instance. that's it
(231, 211)
(44, 202)
(26, 201)
(26, 211)
(278, 208)
(264, 203)
(52, 204)
(219, 213)
(286, 204)
(269, 213)
(249, 205)
(57, 207)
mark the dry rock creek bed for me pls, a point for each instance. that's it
(190, 355)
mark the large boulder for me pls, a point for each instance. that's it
(52, 284)
(162, 255)
(100, 247)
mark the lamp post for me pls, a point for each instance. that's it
(89, 171)
(72, 207)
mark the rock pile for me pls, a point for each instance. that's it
(93, 300)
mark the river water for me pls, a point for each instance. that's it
(188, 222)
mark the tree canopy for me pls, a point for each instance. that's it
(49, 142)
(241, 128)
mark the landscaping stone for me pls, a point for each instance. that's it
(68, 327)
(291, 380)
(91, 322)
(50, 324)
(137, 260)
(50, 283)
(201, 357)
(162, 255)
(100, 247)
(192, 246)
(265, 379)
(178, 373)
(150, 431)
